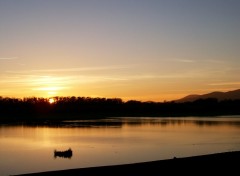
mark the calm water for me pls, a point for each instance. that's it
(26, 149)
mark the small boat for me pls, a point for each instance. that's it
(65, 154)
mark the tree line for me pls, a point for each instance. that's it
(35, 108)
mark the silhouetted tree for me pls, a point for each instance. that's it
(34, 108)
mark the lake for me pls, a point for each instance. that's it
(26, 148)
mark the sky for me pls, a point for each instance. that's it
(147, 50)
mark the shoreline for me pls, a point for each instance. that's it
(217, 163)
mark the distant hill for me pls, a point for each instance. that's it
(235, 94)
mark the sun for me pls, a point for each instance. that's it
(51, 100)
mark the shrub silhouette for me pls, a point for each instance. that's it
(34, 108)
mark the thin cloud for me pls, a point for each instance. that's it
(182, 60)
(51, 88)
(76, 69)
(8, 58)
(215, 61)
(82, 69)
(36, 81)
(224, 83)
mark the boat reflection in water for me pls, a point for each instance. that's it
(64, 154)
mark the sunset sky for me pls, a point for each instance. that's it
(132, 49)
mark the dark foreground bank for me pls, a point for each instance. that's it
(220, 163)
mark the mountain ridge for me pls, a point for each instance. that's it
(229, 95)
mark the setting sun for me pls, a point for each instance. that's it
(51, 100)
(170, 51)
(90, 83)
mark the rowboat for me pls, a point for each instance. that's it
(65, 154)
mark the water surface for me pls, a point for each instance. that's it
(28, 148)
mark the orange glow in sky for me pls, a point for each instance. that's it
(146, 50)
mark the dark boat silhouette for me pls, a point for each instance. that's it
(65, 154)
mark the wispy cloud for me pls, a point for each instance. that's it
(40, 79)
(224, 83)
(214, 61)
(8, 58)
(82, 69)
(75, 69)
(183, 60)
(50, 88)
